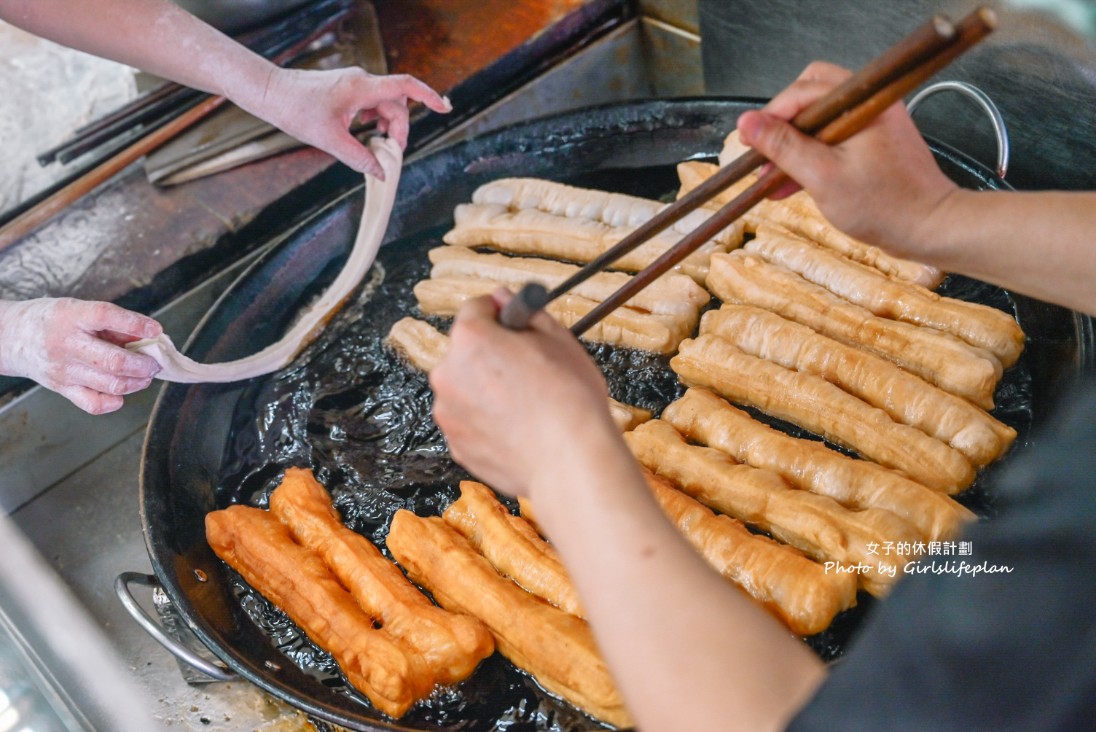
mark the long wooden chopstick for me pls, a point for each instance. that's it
(832, 119)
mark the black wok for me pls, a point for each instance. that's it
(202, 440)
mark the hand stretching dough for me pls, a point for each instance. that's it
(379, 197)
(705, 419)
(557, 648)
(451, 644)
(819, 406)
(511, 545)
(259, 547)
(424, 346)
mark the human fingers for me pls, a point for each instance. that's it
(352, 153)
(107, 358)
(395, 116)
(91, 401)
(105, 316)
(804, 159)
(97, 380)
(408, 86)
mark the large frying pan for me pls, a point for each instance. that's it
(202, 439)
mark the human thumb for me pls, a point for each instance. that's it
(802, 158)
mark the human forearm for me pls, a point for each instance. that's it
(1039, 244)
(153, 35)
(682, 644)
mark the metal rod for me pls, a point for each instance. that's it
(972, 29)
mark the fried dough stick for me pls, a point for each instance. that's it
(672, 295)
(623, 327)
(816, 525)
(799, 214)
(451, 644)
(512, 546)
(817, 405)
(555, 647)
(979, 325)
(259, 547)
(424, 346)
(704, 418)
(939, 358)
(796, 589)
(906, 398)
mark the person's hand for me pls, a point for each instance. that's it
(880, 186)
(74, 348)
(514, 404)
(319, 107)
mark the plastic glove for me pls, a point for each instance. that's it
(73, 347)
(318, 108)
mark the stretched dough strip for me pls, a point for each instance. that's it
(704, 418)
(939, 358)
(512, 545)
(819, 406)
(379, 197)
(424, 346)
(451, 644)
(904, 397)
(259, 547)
(557, 648)
(796, 589)
(816, 525)
(622, 327)
(978, 325)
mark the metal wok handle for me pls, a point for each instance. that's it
(983, 101)
(180, 651)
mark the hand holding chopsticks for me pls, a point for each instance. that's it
(832, 119)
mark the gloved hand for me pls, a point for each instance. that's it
(318, 108)
(74, 348)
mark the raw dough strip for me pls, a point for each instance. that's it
(939, 358)
(673, 295)
(796, 589)
(816, 525)
(799, 214)
(819, 406)
(451, 644)
(555, 647)
(623, 327)
(704, 418)
(978, 325)
(906, 398)
(379, 197)
(424, 346)
(512, 546)
(259, 547)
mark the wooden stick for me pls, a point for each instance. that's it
(970, 31)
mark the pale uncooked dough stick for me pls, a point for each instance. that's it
(379, 197)
(424, 346)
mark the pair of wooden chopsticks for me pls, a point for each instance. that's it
(832, 119)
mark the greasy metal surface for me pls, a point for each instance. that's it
(1041, 73)
(208, 446)
(673, 59)
(682, 14)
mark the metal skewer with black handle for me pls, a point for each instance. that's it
(834, 118)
